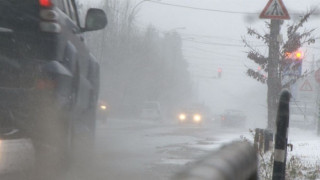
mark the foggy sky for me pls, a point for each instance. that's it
(220, 29)
(235, 89)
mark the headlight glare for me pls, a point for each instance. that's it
(182, 117)
(197, 118)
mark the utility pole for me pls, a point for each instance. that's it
(274, 81)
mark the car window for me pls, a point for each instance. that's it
(60, 5)
(70, 9)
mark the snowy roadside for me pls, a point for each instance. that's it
(306, 145)
(138, 149)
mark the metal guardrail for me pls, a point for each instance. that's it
(235, 161)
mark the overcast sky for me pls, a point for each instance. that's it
(212, 40)
(221, 32)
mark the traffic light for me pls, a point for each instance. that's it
(295, 60)
(259, 68)
(219, 72)
(298, 55)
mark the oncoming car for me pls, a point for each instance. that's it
(151, 110)
(191, 116)
(103, 111)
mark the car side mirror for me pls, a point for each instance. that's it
(96, 19)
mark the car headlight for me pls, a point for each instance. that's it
(182, 117)
(103, 107)
(197, 118)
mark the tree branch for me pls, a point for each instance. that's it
(257, 58)
(253, 32)
(257, 76)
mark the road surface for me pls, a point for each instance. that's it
(143, 149)
(131, 149)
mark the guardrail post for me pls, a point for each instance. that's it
(256, 140)
(268, 140)
(281, 137)
(263, 139)
(235, 161)
(318, 124)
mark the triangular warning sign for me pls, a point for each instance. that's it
(275, 9)
(306, 86)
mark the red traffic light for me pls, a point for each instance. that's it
(219, 72)
(259, 68)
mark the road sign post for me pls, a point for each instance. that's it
(276, 11)
(317, 76)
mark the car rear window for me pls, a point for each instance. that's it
(19, 14)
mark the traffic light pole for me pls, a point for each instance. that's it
(273, 82)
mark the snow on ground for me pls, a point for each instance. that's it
(306, 145)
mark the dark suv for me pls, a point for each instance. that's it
(49, 81)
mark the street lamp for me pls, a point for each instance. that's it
(131, 15)
(138, 4)
(134, 8)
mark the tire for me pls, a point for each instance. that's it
(50, 143)
(53, 133)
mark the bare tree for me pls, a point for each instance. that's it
(139, 64)
(296, 38)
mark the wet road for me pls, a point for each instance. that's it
(131, 149)
(138, 150)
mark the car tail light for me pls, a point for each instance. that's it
(44, 84)
(45, 3)
(49, 17)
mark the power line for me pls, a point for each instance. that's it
(219, 44)
(209, 37)
(214, 60)
(204, 36)
(201, 36)
(203, 9)
(215, 66)
(316, 13)
(213, 55)
(213, 52)
(206, 43)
